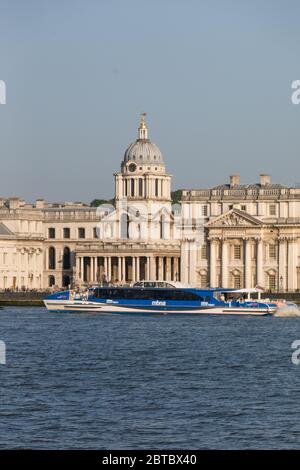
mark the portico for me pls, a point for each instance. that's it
(121, 269)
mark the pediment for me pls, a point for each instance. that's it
(234, 218)
(5, 231)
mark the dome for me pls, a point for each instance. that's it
(142, 150)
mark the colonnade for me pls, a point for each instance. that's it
(255, 262)
(122, 269)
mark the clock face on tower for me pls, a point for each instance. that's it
(132, 167)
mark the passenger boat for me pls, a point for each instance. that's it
(156, 297)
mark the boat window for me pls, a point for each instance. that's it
(226, 296)
(146, 294)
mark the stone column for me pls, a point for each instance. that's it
(160, 268)
(91, 269)
(96, 276)
(34, 267)
(123, 269)
(184, 262)
(138, 268)
(133, 268)
(81, 268)
(292, 264)
(119, 269)
(247, 265)
(224, 267)
(259, 264)
(282, 264)
(77, 273)
(213, 262)
(151, 274)
(168, 269)
(19, 268)
(106, 267)
(109, 269)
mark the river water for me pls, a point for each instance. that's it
(85, 381)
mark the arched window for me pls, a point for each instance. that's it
(51, 281)
(67, 258)
(52, 258)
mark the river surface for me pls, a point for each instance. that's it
(85, 381)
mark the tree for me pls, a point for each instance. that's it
(176, 196)
(99, 202)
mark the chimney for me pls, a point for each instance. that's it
(234, 180)
(39, 203)
(264, 179)
(13, 202)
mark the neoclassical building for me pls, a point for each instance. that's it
(252, 235)
(232, 235)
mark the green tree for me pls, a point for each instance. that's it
(99, 202)
(176, 196)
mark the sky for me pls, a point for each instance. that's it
(214, 77)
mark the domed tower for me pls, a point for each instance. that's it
(143, 176)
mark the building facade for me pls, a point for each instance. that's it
(232, 235)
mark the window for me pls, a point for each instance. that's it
(67, 258)
(52, 258)
(66, 232)
(230, 206)
(272, 251)
(237, 281)
(96, 232)
(140, 187)
(162, 226)
(204, 280)
(146, 294)
(51, 232)
(51, 281)
(204, 252)
(156, 188)
(272, 282)
(81, 232)
(237, 252)
(243, 207)
(272, 209)
(124, 225)
(66, 281)
(204, 211)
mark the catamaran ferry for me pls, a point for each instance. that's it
(157, 297)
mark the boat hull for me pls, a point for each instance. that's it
(70, 306)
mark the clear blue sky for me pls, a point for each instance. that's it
(214, 77)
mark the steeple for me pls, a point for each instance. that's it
(143, 130)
